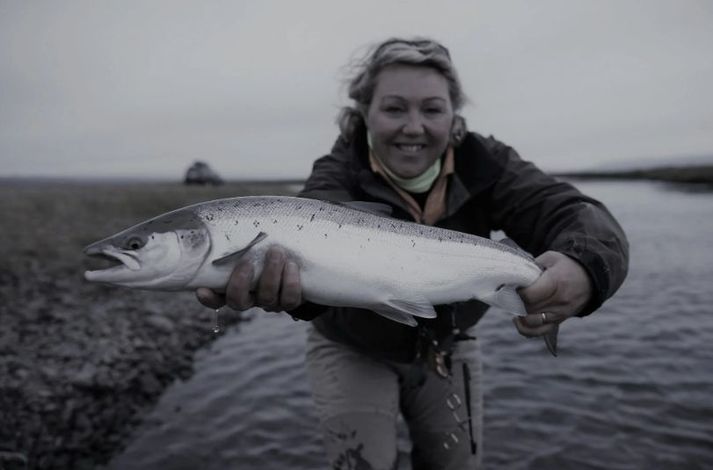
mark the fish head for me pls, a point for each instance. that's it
(164, 253)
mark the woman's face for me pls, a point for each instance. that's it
(410, 118)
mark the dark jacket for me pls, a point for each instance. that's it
(491, 189)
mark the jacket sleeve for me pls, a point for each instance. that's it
(541, 213)
(329, 180)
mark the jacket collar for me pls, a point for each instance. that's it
(476, 169)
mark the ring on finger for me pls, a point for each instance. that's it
(544, 317)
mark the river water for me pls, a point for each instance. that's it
(632, 388)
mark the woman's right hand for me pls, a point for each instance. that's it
(278, 288)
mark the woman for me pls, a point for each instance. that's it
(404, 144)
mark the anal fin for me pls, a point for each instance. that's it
(404, 311)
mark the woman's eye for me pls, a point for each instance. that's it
(434, 110)
(393, 109)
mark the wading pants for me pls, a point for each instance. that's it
(358, 400)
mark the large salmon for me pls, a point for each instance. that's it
(347, 256)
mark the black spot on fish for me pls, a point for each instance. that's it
(413, 244)
(500, 287)
(325, 235)
(256, 223)
(340, 225)
(236, 222)
(311, 219)
(300, 227)
(274, 221)
(209, 217)
(227, 237)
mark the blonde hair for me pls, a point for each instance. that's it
(416, 51)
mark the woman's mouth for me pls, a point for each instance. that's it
(411, 148)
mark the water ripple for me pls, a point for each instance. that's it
(631, 389)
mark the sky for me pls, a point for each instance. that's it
(144, 88)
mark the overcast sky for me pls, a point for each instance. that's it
(130, 88)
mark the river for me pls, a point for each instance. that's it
(632, 388)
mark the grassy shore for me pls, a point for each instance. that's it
(80, 363)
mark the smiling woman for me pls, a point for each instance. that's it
(403, 144)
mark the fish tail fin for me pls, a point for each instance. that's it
(551, 340)
(506, 298)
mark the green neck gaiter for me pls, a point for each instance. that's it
(417, 185)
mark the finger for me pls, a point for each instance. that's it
(291, 294)
(532, 331)
(237, 292)
(535, 320)
(209, 298)
(271, 278)
(548, 259)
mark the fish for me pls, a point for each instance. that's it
(349, 254)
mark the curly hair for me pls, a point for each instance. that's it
(416, 51)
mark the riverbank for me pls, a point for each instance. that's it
(81, 363)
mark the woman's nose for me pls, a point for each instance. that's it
(413, 125)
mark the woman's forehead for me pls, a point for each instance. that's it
(402, 80)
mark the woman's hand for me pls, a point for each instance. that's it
(278, 288)
(562, 291)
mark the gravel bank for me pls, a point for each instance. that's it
(80, 363)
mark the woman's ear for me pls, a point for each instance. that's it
(458, 130)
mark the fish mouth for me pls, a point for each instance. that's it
(118, 260)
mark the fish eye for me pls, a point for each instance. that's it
(134, 243)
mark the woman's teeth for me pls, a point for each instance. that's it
(410, 148)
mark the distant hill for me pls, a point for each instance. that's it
(698, 174)
(649, 163)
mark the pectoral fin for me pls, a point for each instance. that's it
(235, 256)
(403, 311)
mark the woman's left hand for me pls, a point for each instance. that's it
(562, 291)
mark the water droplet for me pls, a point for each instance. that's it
(216, 328)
